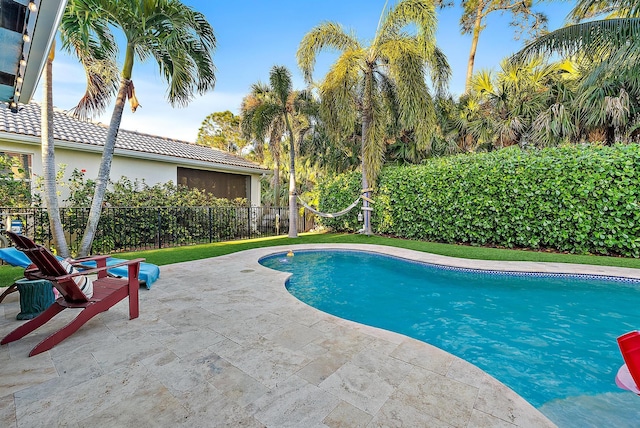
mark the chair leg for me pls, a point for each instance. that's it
(134, 305)
(85, 315)
(33, 324)
(10, 289)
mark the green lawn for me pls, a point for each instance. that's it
(195, 252)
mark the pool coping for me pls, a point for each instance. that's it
(220, 341)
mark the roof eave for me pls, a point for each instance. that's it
(44, 33)
(92, 148)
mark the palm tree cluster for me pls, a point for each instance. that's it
(387, 102)
(537, 103)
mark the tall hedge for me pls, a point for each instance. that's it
(337, 194)
(581, 199)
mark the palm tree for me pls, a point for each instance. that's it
(255, 124)
(273, 108)
(510, 101)
(369, 88)
(611, 43)
(611, 48)
(474, 18)
(176, 36)
(96, 55)
(48, 159)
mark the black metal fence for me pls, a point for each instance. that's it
(141, 228)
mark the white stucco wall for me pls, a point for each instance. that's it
(153, 171)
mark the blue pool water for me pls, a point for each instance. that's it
(551, 338)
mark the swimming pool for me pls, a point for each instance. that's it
(551, 338)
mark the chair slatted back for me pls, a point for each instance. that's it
(48, 266)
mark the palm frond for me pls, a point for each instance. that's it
(596, 40)
(87, 36)
(421, 13)
(280, 79)
(328, 35)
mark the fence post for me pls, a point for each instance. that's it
(159, 228)
(210, 225)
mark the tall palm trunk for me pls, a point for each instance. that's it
(367, 112)
(477, 27)
(49, 160)
(365, 183)
(293, 211)
(276, 184)
(104, 173)
(105, 169)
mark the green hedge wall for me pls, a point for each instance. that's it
(580, 199)
(335, 195)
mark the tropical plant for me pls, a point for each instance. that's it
(372, 88)
(510, 101)
(180, 40)
(474, 20)
(255, 127)
(609, 88)
(270, 109)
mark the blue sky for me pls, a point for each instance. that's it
(255, 35)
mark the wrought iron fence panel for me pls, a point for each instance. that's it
(141, 228)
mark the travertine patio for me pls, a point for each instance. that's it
(220, 342)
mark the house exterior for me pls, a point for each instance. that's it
(154, 159)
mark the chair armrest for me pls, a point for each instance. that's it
(92, 258)
(99, 269)
(101, 260)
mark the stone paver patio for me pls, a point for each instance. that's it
(220, 342)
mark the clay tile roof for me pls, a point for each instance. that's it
(67, 128)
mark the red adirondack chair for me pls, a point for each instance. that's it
(107, 291)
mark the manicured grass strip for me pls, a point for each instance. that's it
(8, 275)
(182, 254)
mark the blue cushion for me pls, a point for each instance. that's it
(149, 273)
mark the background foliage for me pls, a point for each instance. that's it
(137, 215)
(580, 199)
(15, 190)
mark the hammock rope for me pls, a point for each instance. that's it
(330, 215)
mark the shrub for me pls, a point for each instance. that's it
(15, 190)
(579, 199)
(337, 194)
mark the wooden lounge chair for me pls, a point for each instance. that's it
(107, 291)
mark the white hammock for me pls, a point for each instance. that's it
(330, 215)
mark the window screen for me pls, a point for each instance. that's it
(220, 184)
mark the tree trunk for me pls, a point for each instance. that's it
(610, 136)
(477, 28)
(293, 208)
(365, 184)
(367, 112)
(49, 160)
(276, 183)
(105, 169)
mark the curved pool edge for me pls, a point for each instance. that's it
(494, 398)
(475, 264)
